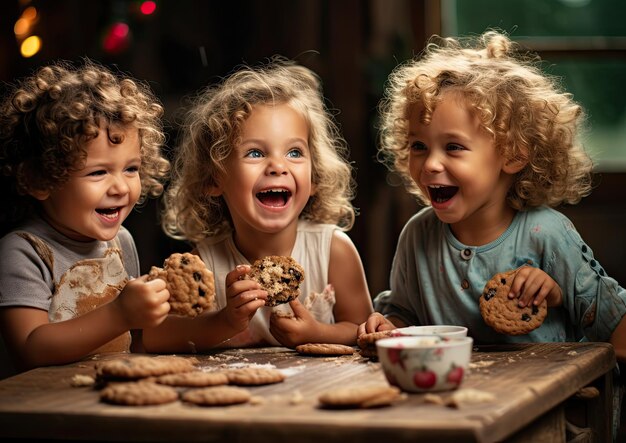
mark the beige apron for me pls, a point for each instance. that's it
(86, 285)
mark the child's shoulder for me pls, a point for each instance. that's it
(424, 219)
(546, 218)
(550, 224)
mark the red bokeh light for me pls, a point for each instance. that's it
(117, 38)
(147, 7)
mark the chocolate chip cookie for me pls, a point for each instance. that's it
(502, 313)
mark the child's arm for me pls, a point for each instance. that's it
(352, 302)
(33, 341)
(206, 331)
(534, 284)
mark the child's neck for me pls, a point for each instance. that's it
(255, 245)
(479, 231)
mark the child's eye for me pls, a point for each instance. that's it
(295, 153)
(254, 153)
(417, 146)
(132, 169)
(97, 173)
(454, 147)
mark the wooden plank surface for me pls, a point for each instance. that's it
(528, 381)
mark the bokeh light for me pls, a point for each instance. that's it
(30, 46)
(148, 7)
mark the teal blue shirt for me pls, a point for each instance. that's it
(435, 279)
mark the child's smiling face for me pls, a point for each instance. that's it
(268, 178)
(95, 201)
(455, 163)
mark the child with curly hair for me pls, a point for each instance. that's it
(491, 144)
(261, 171)
(79, 147)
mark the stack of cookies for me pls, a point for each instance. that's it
(144, 380)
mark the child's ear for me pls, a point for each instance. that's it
(515, 164)
(39, 194)
(213, 191)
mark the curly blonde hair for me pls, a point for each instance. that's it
(47, 118)
(528, 115)
(213, 127)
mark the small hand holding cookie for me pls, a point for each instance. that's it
(293, 331)
(533, 285)
(143, 303)
(375, 322)
(243, 298)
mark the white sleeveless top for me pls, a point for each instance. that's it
(311, 250)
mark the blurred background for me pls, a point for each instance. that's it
(179, 47)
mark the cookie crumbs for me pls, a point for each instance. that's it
(256, 400)
(433, 399)
(572, 353)
(468, 397)
(296, 398)
(81, 380)
(481, 364)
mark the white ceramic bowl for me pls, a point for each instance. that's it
(425, 363)
(442, 330)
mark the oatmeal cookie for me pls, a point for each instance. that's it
(143, 366)
(360, 397)
(502, 313)
(190, 283)
(216, 396)
(367, 342)
(138, 393)
(254, 376)
(324, 349)
(193, 379)
(280, 276)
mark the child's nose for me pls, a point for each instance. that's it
(119, 185)
(433, 163)
(276, 166)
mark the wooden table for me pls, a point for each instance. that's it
(530, 384)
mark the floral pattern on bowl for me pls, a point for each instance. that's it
(425, 363)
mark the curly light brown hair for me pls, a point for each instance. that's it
(213, 127)
(47, 118)
(524, 109)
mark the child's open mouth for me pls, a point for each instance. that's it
(111, 213)
(274, 197)
(441, 194)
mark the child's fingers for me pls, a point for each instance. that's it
(258, 296)
(298, 308)
(236, 274)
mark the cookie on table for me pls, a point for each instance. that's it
(193, 379)
(367, 342)
(360, 397)
(254, 376)
(280, 276)
(324, 349)
(138, 393)
(190, 283)
(130, 368)
(502, 313)
(216, 396)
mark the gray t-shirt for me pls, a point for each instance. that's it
(24, 277)
(435, 279)
(27, 279)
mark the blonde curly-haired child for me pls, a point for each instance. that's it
(491, 145)
(261, 170)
